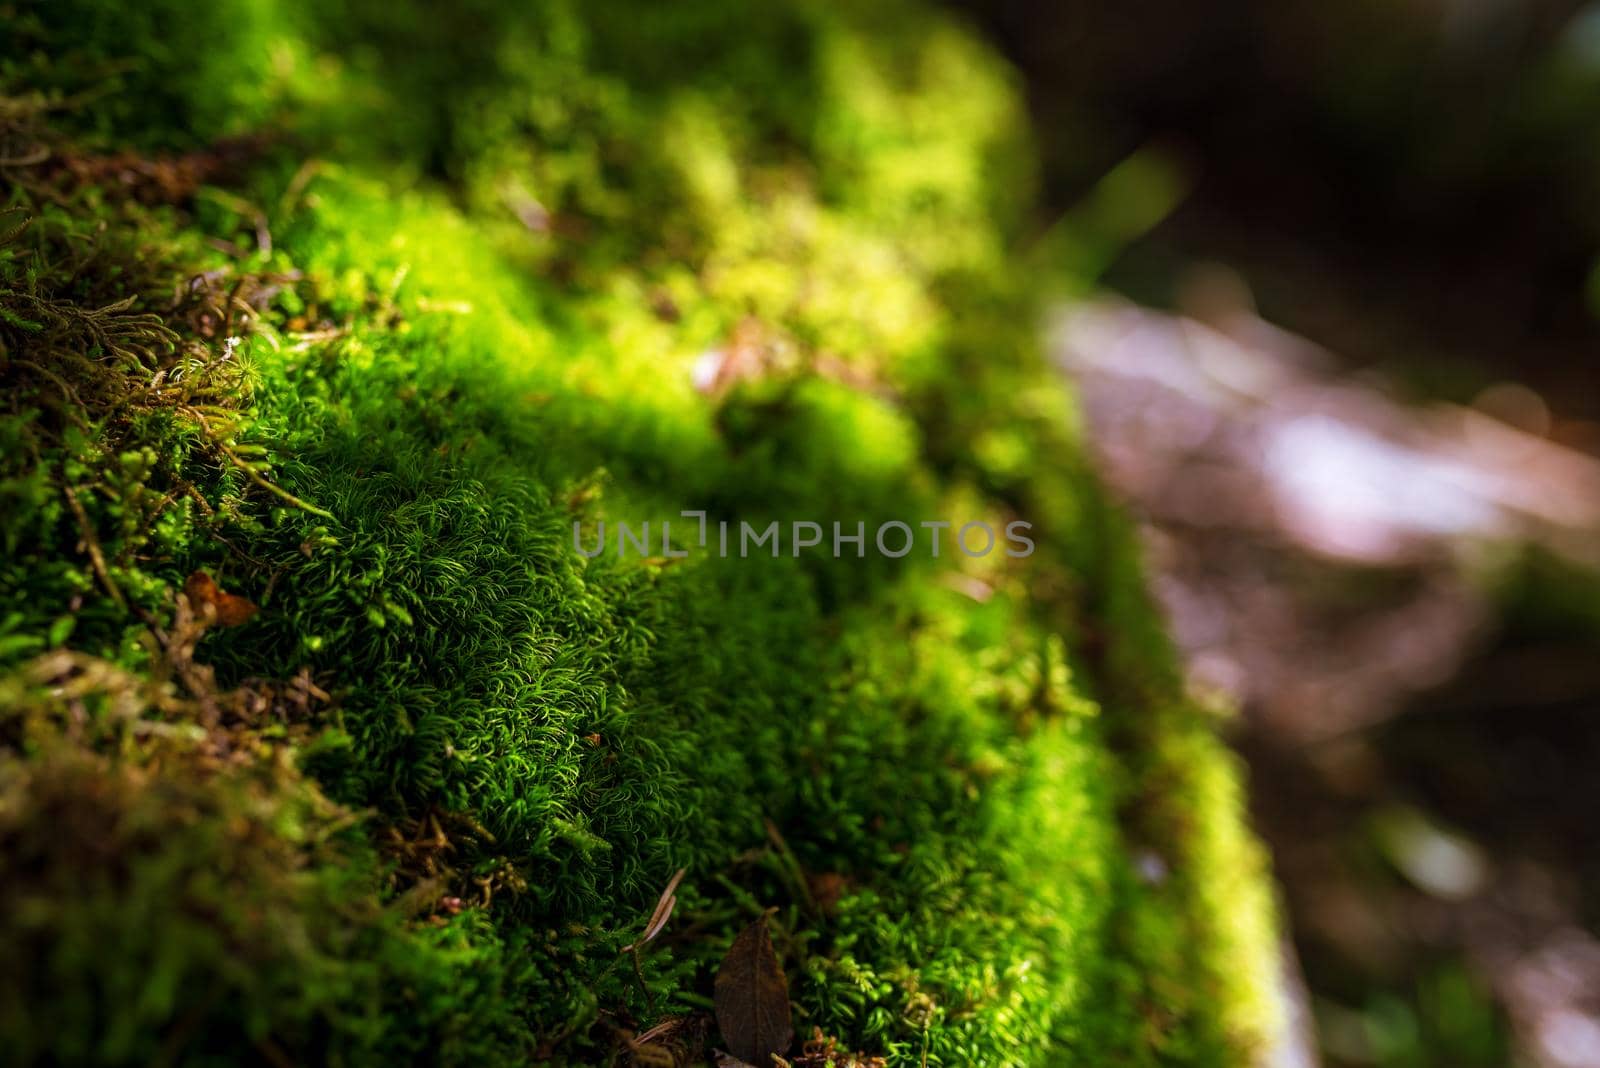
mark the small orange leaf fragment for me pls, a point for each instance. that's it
(228, 609)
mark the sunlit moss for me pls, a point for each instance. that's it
(502, 244)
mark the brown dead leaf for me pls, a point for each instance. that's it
(228, 609)
(164, 179)
(752, 998)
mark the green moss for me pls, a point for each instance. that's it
(500, 245)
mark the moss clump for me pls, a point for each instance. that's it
(438, 296)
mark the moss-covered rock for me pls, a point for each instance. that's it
(360, 308)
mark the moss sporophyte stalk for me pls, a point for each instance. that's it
(891, 538)
(323, 742)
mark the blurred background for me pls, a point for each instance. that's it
(1330, 291)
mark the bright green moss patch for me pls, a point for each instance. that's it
(464, 283)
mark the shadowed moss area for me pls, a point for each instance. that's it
(358, 308)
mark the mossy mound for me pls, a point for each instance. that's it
(359, 308)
